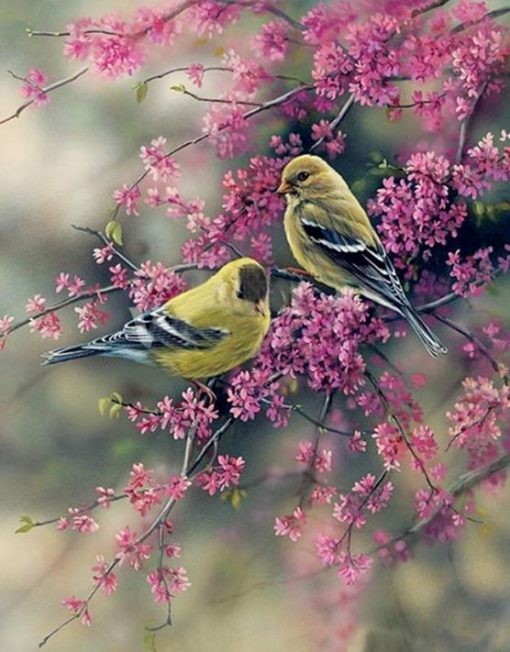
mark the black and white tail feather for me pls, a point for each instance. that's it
(374, 274)
(139, 336)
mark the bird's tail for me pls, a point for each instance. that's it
(69, 353)
(429, 340)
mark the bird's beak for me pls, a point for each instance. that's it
(260, 308)
(284, 188)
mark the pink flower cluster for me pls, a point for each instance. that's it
(192, 412)
(224, 475)
(319, 337)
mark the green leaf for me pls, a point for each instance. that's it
(115, 411)
(142, 88)
(178, 88)
(478, 208)
(28, 524)
(234, 497)
(149, 642)
(103, 404)
(113, 231)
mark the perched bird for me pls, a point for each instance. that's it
(200, 333)
(332, 238)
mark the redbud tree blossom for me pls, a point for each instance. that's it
(295, 86)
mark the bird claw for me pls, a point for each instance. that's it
(298, 271)
(202, 389)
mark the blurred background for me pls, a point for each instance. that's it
(58, 167)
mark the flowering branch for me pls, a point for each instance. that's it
(46, 89)
(462, 485)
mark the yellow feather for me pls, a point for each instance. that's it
(214, 304)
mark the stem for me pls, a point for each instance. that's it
(334, 123)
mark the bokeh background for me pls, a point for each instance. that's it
(58, 167)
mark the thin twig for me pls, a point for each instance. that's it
(464, 125)
(334, 123)
(468, 335)
(46, 89)
(106, 241)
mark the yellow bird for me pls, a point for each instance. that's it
(201, 333)
(332, 238)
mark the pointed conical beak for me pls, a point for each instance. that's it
(284, 188)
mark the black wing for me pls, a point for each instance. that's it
(156, 329)
(370, 265)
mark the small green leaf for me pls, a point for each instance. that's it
(178, 88)
(478, 208)
(142, 88)
(115, 411)
(115, 396)
(234, 497)
(103, 404)
(28, 524)
(113, 231)
(149, 642)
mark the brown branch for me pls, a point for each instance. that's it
(308, 474)
(336, 121)
(214, 100)
(465, 124)
(46, 89)
(464, 483)
(496, 13)
(472, 338)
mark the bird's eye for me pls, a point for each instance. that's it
(240, 294)
(303, 176)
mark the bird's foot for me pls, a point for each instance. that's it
(203, 389)
(298, 271)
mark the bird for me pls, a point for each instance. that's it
(198, 334)
(332, 238)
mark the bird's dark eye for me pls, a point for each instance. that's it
(303, 176)
(240, 294)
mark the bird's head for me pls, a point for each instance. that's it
(307, 177)
(244, 288)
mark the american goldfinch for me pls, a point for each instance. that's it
(332, 238)
(200, 333)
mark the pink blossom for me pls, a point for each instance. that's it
(272, 41)
(33, 90)
(291, 525)
(131, 551)
(153, 285)
(105, 497)
(177, 486)
(48, 326)
(62, 282)
(356, 443)
(156, 161)
(223, 476)
(195, 73)
(35, 305)
(78, 606)
(128, 197)
(106, 579)
(103, 254)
